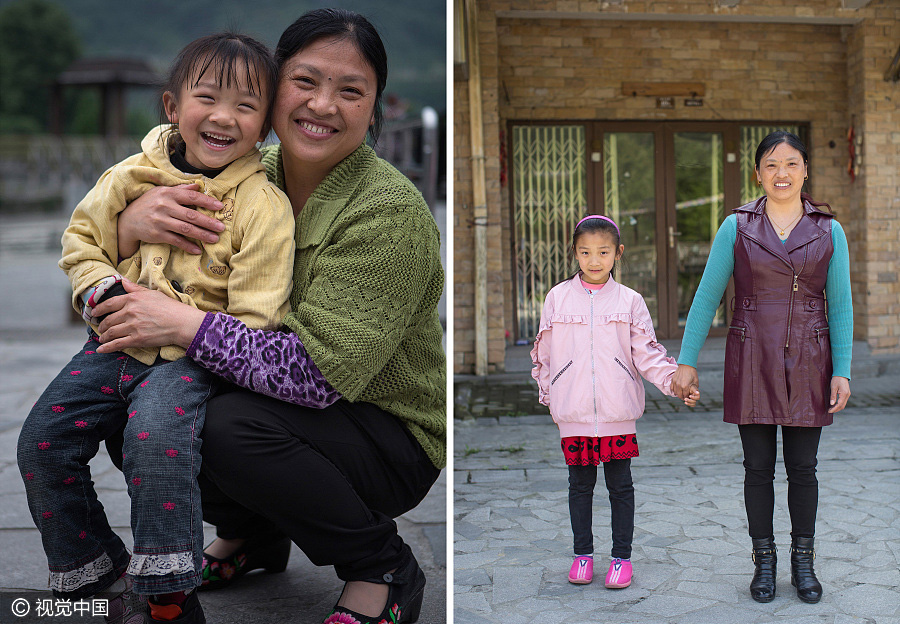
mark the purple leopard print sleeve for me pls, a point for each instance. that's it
(269, 362)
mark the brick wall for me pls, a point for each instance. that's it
(464, 247)
(875, 103)
(572, 69)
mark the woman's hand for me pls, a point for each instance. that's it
(164, 214)
(840, 392)
(146, 318)
(685, 377)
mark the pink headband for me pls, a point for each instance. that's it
(599, 217)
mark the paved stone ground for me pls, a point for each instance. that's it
(36, 339)
(513, 540)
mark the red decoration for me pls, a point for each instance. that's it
(502, 159)
(851, 148)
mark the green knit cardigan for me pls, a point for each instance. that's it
(367, 280)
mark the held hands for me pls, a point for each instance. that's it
(840, 392)
(165, 214)
(686, 384)
(691, 399)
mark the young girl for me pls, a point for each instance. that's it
(595, 339)
(216, 100)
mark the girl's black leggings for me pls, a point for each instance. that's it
(621, 502)
(800, 444)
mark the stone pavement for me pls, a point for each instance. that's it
(513, 540)
(37, 338)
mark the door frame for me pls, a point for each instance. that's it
(664, 192)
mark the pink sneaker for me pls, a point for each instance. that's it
(619, 574)
(582, 571)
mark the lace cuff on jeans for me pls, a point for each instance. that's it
(90, 572)
(160, 564)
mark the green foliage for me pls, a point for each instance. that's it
(37, 42)
(414, 32)
(40, 38)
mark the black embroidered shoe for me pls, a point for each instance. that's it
(262, 552)
(406, 588)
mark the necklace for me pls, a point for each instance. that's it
(784, 227)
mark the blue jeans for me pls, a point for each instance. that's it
(582, 479)
(163, 407)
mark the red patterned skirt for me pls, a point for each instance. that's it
(589, 451)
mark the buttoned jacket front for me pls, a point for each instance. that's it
(246, 273)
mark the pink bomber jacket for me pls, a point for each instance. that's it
(591, 349)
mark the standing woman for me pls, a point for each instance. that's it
(787, 362)
(352, 432)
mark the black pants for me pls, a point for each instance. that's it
(621, 503)
(801, 445)
(331, 479)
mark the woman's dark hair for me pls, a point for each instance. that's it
(224, 53)
(593, 226)
(341, 24)
(773, 140)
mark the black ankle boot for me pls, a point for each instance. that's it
(802, 575)
(762, 587)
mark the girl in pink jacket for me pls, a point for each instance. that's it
(595, 340)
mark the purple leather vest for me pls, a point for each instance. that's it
(778, 353)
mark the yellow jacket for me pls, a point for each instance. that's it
(246, 274)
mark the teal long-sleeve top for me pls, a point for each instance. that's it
(719, 268)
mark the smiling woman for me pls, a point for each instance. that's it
(324, 107)
(787, 362)
(352, 432)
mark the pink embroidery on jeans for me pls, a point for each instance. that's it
(58, 408)
(145, 383)
(106, 390)
(47, 514)
(131, 415)
(171, 452)
(29, 476)
(43, 445)
(121, 357)
(186, 378)
(169, 506)
(80, 424)
(83, 534)
(136, 480)
(127, 377)
(90, 352)
(75, 373)
(179, 411)
(143, 435)
(69, 480)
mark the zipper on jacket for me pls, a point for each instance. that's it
(818, 331)
(787, 343)
(794, 289)
(743, 331)
(593, 377)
